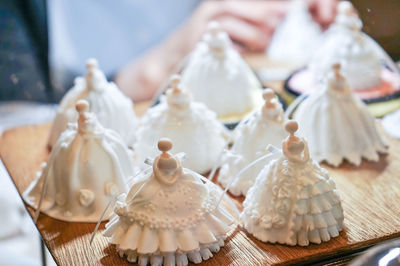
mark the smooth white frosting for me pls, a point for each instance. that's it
(112, 108)
(87, 167)
(273, 213)
(169, 223)
(293, 200)
(217, 76)
(338, 125)
(345, 43)
(296, 38)
(252, 136)
(191, 126)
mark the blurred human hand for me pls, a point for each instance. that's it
(250, 24)
(323, 11)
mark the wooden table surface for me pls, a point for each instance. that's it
(370, 194)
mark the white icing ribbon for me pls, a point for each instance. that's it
(293, 105)
(43, 191)
(272, 151)
(225, 149)
(145, 171)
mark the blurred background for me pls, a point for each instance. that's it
(44, 44)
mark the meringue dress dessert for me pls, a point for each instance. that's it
(217, 76)
(347, 44)
(192, 127)
(263, 127)
(293, 201)
(369, 70)
(169, 217)
(87, 167)
(290, 46)
(112, 108)
(338, 125)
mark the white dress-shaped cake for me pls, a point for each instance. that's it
(87, 167)
(169, 217)
(338, 124)
(289, 44)
(264, 127)
(112, 108)
(217, 76)
(345, 43)
(192, 127)
(369, 70)
(293, 201)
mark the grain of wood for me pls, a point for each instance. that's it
(370, 194)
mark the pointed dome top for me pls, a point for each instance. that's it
(167, 168)
(345, 8)
(272, 109)
(347, 15)
(175, 81)
(295, 148)
(164, 145)
(213, 27)
(87, 121)
(269, 96)
(291, 127)
(91, 64)
(95, 78)
(217, 39)
(82, 107)
(177, 97)
(336, 80)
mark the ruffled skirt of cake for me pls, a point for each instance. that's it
(169, 246)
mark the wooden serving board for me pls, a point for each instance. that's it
(370, 194)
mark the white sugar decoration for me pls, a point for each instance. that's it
(360, 56)
(217, 76)
(170, 216)
(252, 136)
(87, 167)
(112, 108)
(338, 125)
(193, 128)
(293, 201)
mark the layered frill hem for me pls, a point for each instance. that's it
(314, 219)
(301, 238)
(355, 158)
(168, 246)
(179, 258)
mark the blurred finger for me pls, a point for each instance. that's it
(248, 35)
(323, 11)
(264, 14)
(327, 11)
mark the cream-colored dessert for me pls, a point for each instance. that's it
(170, 216)
(296, 38)
(112, 108)
(253, 135)
(293, 201)
(338, 125)
(87, 167)
(217, 76)
(344, 42)
(192, 127)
